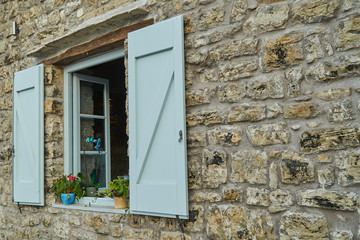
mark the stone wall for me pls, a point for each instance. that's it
(273, 110)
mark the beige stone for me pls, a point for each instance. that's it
(208, 117)
(348, 32)
(329, 138)
(341, 235)
(214, 170)
(346, 201)
(340, 111)
(238, 11)
(96, 223)
(302, 110)
(273, 111)
(257, 196)
(200, 96)
(196, 57)
(348, 164)
(314, 10)
(247, 112)
(201, 197)
(225, 136)
(249, 166)
(313, 124)
(136, 233)
(267, 18)
(303, 226)
(326, 177)
(232, 194)
(53, 107)
(350, 4)
(174, 236)
(313, 47)
(232, 92)
(236, 71)
(322, 158)
(268, 134)
(235, 48)
(268, 88)
(295, 168)
(273, 176)
(333, 94)
(280, 200)
(211, 18)
(194, 170)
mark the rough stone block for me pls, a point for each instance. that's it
(257, 197)
(136, 233)
(53, 107)
(281, 200)
(348, 164)
(311, 11)
(174, 236)
(267, 18)
(201, 197)
(96, 223)
(199, 97)
(234, 222)
(303, 226)
(340, 111)
(319, 198)
(302, 110)
(238, 11)
(233, 49)
(232, 194)
(313, 47)
(232, 92)
(341, 235)
(263, 89)
(295, 168)
(273, 111)
(350, 4)
(236, 71)
(294, 77)
(329, 139)
(196, 139)
(247, 112)
(204, 117)
(196, 57)
(333, 94)
(225, 135)
(214, 169)
(348, 32)
(194, 173)
(249, 166)
(273, 176)
(268, 134)
(283, 52)
(326, 177)
(336, 68)
(211, 18)
(322, 158)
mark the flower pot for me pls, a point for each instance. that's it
(68, 198)
(120, 202)
(91, 191)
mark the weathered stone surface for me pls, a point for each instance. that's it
(285, 51)
(296, 168)
(326, 177)
(314, 10)
(207, 38)
(273, 176)
(196, 139)
(196, 218)
(313, 124)
(238, 11)
(174, 236)
(281, 200)
(345, 66)
(302, 110)
(225, 136)
(348, 164)
(303, 226)
(247, 112)
(232, 194)
(322, 158)
(267, 18)
(53, 107)
(294, 77)
(233, 49)
(313, 47)
(214, 170)
(194, 170)
(196, 57)
(341, 235)
(30, 220)
(208, 75)
(333, 94)
(200, 96)
(201, 197)
(348, 32)
(96, 223)
(249, 166)
(136, 233)
(330, 138)
(232, 92)
(53, 129)
(211, 18)
(350, 4)
(263, 89)
(340, 111)
(268, 134)
(346, 201)
(273, 111)
(233, 222)
(204, 117)
(257, 197)
(236, 71)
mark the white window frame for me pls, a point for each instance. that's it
(68, 103)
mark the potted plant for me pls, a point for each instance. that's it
(91, 189)
(67, 188)
(119, 190)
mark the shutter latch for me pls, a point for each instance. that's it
(180, 136)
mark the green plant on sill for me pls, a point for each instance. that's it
(69, 184)
(117, 188)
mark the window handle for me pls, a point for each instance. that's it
(180, 136)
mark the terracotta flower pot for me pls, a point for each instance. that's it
(120, 203)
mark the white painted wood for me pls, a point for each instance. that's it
(28, 122)
(158, 165)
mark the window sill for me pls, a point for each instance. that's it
(88, 204)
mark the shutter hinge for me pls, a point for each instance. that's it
(19, 207)
(180, 224)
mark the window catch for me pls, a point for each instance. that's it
(180, 224)
(180, 135)
(19, 208)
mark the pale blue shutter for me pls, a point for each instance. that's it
(158, 166)
(28, 117)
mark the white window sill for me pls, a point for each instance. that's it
(93, 205)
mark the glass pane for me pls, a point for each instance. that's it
(91, 98)
(92, 128)
(94, 169)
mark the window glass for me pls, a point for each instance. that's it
(91, 98)
(92, 128)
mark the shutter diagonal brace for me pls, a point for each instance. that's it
(180, 224)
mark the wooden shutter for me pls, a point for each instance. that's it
(28, 117)
(158, 165)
